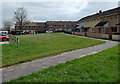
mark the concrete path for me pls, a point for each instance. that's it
(26, 68)
(4, 42)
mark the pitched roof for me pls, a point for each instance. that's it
(102, 14)
(61, 22)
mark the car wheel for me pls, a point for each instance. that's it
(4, 39)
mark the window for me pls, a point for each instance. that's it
(100, 30)
(64, 25)
(93, 30)
(65, 29)
(115, 16)
(69, 30)
(60, 28)
(56, 29)
(113, 29)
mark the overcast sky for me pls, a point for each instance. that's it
(47, 11)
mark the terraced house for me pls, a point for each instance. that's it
(61, 25)
(104, 24)
(37, 27)
(32, 27)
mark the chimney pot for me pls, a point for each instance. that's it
(100, 11)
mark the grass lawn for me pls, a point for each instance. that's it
(41, 45)
(100, 67)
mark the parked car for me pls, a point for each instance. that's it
(49, 31)
(4, 37)
(18, 33)
(3, 32)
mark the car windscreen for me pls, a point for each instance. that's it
(4, 35)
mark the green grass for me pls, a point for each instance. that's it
(100, 67)
(41, 45)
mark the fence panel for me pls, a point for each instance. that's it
(15, 39)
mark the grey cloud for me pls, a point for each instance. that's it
(43, 11)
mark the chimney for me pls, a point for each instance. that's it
(100, 11)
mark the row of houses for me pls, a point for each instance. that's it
(104, 24)
(37, 27)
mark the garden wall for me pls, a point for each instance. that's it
(116, 37)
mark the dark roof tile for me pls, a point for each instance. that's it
(102, 14)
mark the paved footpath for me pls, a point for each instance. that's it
(26, 68)
(4, 42)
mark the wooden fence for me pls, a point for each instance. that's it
(15, 39)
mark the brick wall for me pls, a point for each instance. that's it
(80, 33)
(95, 35)
(49, 25)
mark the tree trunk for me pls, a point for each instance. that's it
(20, 30)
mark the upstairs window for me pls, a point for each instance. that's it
(93, 29)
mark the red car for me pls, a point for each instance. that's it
(4, 38)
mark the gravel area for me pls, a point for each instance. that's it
(16, 71)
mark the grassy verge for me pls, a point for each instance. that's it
(100, 67)
(41, 45)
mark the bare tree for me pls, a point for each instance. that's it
(21, 17)
(7, 25)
